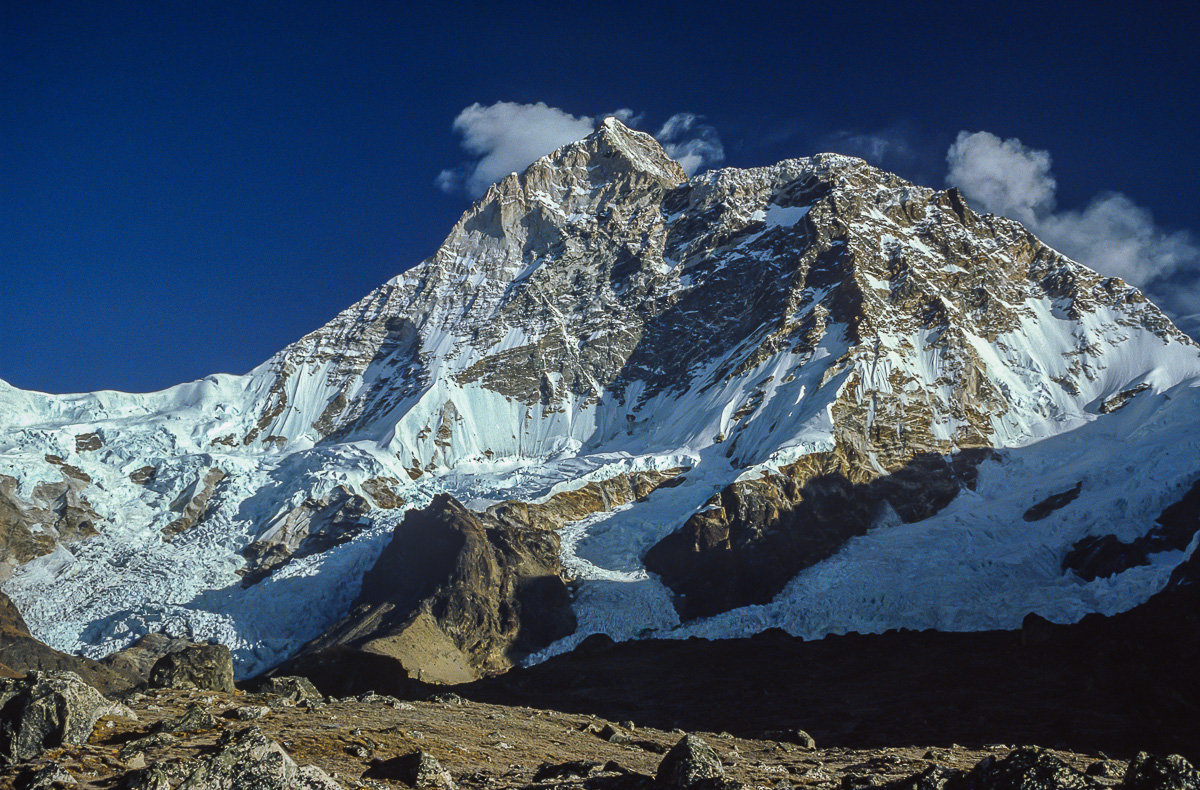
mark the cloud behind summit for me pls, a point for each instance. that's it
(507, 137)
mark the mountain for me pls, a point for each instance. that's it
(875, 408)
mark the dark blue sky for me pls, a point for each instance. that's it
(186, 187)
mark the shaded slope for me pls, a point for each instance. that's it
(456, 595)
(1119, 684)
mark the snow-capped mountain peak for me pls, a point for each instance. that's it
(601, 314)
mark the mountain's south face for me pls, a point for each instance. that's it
(812, 396)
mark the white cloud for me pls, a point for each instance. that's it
(1112, 234)
(877, 147)
(693, 144)
(1115, 236)
(626, 116)
(1003, 176)
(507, 137)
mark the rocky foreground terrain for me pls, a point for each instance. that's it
(164, 738)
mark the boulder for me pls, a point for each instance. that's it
(250, 760)
(418, 769)
(51, 775)
(572, 769)
(291, 687)
(1025, 768)
(614, 734)
(689, 762)
(207, 667)
(137, 746)
(139, 658)
(1151, 772)
(48, 709)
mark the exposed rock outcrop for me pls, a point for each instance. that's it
(598, 496)
(313, 526)
(55, 513)
(195, 667)
(1101, 556)
(192, 504)
(456, 595)
(1052, 503)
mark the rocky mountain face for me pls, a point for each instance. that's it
(811, 396)
(53, 513)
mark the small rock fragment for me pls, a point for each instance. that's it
(140, 745)
(418, 769)
(293, 687)
(613, 735)
(194, 719)
(935, 777)
(1106, 769)
(51, 775)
